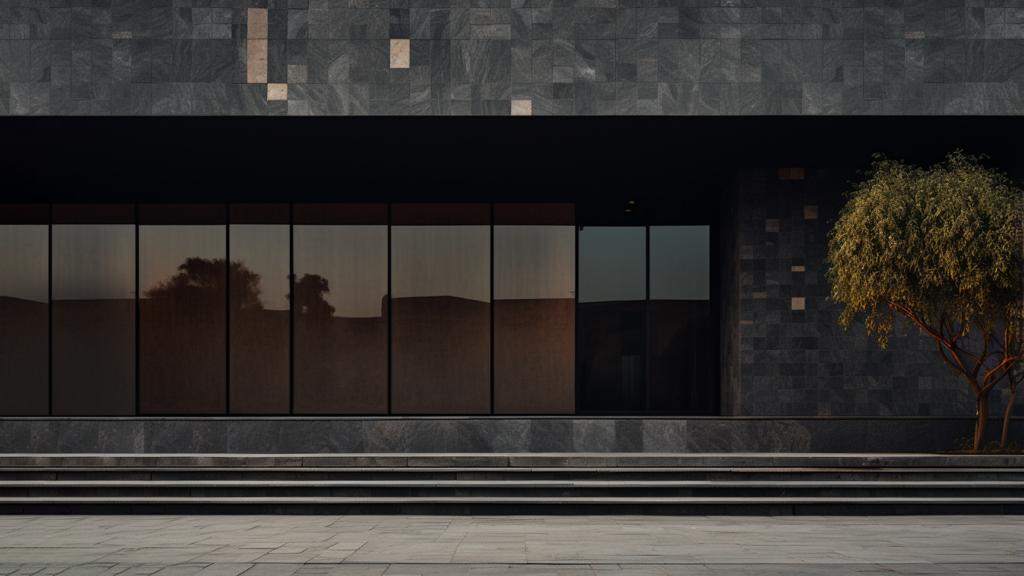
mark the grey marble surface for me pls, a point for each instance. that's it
(514, 545)
(473, 57)
(481, 435)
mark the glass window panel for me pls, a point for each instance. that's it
(94, 320)
(680, 263)
(183, 326)
(341, 329)
(259, 317)
(611, 339)
(681, 330)
(441, 357)
(24, 320)
(534, 319)
(613, 264)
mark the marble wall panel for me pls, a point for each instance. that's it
(305, 435)
(713, 60)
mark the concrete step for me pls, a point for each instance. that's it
(504, 484)
(537, 460)
(511, 483)
(509, 505)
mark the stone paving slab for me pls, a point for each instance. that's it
(508, 545)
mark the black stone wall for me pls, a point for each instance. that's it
(794, 362)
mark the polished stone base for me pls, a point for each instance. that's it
(306, 435)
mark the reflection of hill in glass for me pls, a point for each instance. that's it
(24, 354)
(94, 357)
(441, 354)
(341, 364)
(182, 341)
(534, 356)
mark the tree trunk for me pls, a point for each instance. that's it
(1006, 418)
(980, 429)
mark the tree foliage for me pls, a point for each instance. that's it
(200, 284)
(940, 247)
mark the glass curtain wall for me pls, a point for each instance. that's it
(93, 319)
(441, 327)
(341, 322)
(611, 329)
(534, 319)
(183, 320)
(24, 320)
(681, 341)
(483, 318)
(259, 317)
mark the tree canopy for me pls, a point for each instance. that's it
(939, 246)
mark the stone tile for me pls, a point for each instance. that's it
(400, 53)
(277, 91)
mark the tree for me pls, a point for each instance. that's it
(939, 247)
(199, 286)
(310, 304)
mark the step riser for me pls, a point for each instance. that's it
(522, 509)
(865, 492)
(682, 475)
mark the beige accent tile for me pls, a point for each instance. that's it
(798, 304)
(798, 269)
(771, 225)
(297, 73)
(256, 61)
(257, 25)
(522, 108)
(277, 91)
(746, 321)
(914, 35)
(811, 212)
(760, 294)
(122, 36)
(400, 53)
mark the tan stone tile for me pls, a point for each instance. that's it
(256, 61)
(257, 25)
(798, 304)
(811, 212)
(122, 36)
(798, 269)
(760, 294)
(400, 53)
(522, 108)
(277, 91)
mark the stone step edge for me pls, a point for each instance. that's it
(507, 469)
(512, 484)
(573, 460)
(506, 500)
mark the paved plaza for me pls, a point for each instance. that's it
(512, 546)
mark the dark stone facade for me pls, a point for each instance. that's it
(706, 57)
(794, 362)
(298, 435)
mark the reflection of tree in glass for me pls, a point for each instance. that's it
(310, 304)
(199, 286)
